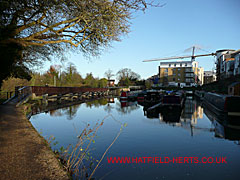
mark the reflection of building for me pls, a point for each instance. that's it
(180, 73)
(209, 77)
(191, 112)
(200, 112)
(186, 119)
(111, 83)
(197, 114)
(110, 100)
(224, 126)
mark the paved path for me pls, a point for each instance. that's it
(23, 153)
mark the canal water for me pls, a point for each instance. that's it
(174, 145)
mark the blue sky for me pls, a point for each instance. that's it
(168, 31)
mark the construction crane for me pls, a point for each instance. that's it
(182, 57)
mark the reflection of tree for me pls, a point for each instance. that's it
(56, 112)
(96, 103)
(71, 111)
(131, 106)
(108, 108)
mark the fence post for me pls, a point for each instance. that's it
(16, 90)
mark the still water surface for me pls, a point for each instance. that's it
(193, 133)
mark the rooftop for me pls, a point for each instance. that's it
(221, 50)
(209, 73)
(175, 62)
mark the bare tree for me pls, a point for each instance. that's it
(127, 77)
(34, 30)
(127, 73)
(109, 74)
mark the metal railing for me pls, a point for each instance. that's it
(23, 92)
(5, 95)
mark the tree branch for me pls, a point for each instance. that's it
(21, 28)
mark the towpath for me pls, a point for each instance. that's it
(23, 153)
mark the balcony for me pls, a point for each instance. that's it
(188, 70)
(189, 80)
(189, 75)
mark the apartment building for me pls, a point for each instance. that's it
(200, 76)
(180, 73)
(227, 63)
(209, 77)
(236, 56)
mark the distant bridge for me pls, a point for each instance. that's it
(57, 93)
(42, 90)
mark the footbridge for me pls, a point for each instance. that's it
(57, 93)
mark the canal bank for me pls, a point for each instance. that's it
(24, 154)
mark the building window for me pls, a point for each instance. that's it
(179, 74)
(189, 80)
(175, 65)
(188, 70)
(185, 64)
(169, 65)
(179, 69)
(173, 79)
(180, 64)
(166, 72)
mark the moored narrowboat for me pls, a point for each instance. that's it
(227, 104)
(129, 95)
(124, 95)
(173, 99)
(199, 94)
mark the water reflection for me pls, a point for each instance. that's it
(192, 131)
(126, 107)
(97, 103)
(69, 112)
(192, 111)
(226, 127)
(70, 109)
(223, 126)
(186, 118)
(110, 105)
